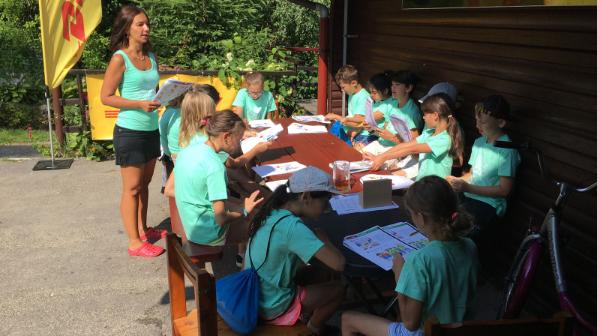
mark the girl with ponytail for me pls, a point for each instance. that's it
(439, 145)
(279, 225)
(438, 280)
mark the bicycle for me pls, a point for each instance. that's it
(520, 276)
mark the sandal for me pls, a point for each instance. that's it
(152, 235)
(146, 250)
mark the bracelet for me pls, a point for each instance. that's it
(245, 212)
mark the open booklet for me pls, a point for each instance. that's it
(310, 118)
(369, 117)
(171, 89)
(266, 135)
(401, 128)
(380, 244)
(296, 128)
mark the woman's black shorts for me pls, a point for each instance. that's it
(135, 147)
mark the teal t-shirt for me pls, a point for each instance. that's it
(200, 179)
(488, 163)
(169, 130)
(442, 275)
(138, 85)
(292, 245)
(385, 107)
(356, 105)
(438, 161)
(202, 138)
(411, 113)
(255, 109)
(406, 113)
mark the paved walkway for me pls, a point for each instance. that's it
(65, 270)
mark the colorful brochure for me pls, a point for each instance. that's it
(171, 89)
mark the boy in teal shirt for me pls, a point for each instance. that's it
(347, 78)
(254, 103)
(491, 177)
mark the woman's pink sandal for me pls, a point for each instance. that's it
(146, 250)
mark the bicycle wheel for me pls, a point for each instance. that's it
(520, 278)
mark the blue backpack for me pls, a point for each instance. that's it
(237, 295)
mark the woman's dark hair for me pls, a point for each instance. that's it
(434, 198)
(122, 24)
(208, 90)
(405, 77)
(276, 200)
(443, 105)
(382, 83)
(223, 121)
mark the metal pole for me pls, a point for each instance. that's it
(50, 125)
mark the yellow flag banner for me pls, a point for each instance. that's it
(103, 118)
(65, 26)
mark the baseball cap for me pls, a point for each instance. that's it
(311, 179)
(443, 87)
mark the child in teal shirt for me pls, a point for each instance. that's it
(491, 177)
(253, 102)
(438, 280)
(349, 127)
(437, 147)
(279, 225)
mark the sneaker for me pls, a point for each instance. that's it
(146, 250)
(152, 235)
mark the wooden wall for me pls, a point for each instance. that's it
(544, 61)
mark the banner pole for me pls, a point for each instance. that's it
(49, 124)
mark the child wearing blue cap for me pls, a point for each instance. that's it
(279, 224)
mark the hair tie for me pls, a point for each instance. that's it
(204, 121)
(455, 216)
(450, 116)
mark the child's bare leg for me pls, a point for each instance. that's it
(355, 323)
(323, 300)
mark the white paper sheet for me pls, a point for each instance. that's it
(296, 128)
(311, 118)
(249, 143)
(369, 118)
(347, 204)
(401, 128)
(357, 166)
(278, 168)
(273, 185)
(398, 182)
(171, 89)
(271, 133)
(264, 123)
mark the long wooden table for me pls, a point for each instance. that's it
(317, 150)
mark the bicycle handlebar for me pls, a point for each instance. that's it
(541, 163)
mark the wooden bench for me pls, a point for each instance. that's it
(203, 319)
(199, 254)
(559, 325)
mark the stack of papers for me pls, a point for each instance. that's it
(347, 204)
(296, 128)
(278, 168)
(358, 166)
(311, 118)
(264, 136)
(380, 244)
(398, 182)
(264, 123)
(171, 89)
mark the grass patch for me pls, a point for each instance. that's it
(18, 136)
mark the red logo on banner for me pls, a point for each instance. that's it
(72, 20)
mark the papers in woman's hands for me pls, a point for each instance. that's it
(264, 136)
(380, 244)
(358, 166)
(401, 128)
(170, 90)
(296, 128)
(264, 123)
(278, 168)
(347, 204)
(398, 182)
(311, 118)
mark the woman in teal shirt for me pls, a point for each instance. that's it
(133, 70)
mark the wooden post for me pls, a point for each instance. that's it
(82, 103)
(57, 107)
